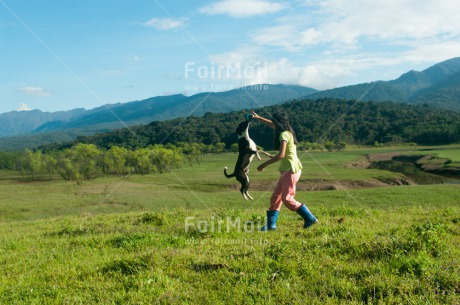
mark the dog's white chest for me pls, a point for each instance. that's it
(252, 144)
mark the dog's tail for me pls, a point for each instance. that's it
(227, 175)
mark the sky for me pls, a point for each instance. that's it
(60, 54)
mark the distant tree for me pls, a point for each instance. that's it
(340, 146)
(317, 147)
(8, 160)
(210, 149)
(170, 146)
(309, 146)
(106, 163)
(165, 159)
(140, 161)
(86, 157)
(220, 147)
(234, 147)
(192, 152)
(66, 167)
(330, 146)
(114, 160)
(32, 163)
(49, 164)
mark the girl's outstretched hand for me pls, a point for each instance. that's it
(262, 119)
(260, 168)
(255, 115)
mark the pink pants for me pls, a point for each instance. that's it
(285, 192)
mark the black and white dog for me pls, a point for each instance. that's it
(246, 151)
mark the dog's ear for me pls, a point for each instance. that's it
(241, 127)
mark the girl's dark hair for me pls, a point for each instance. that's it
(282, 124)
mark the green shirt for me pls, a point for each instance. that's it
(290, 162)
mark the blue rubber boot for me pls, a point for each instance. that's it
(272, 217)
(307, 216)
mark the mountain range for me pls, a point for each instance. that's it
(437, 86)
(113, 116)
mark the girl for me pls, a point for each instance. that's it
(290, 169)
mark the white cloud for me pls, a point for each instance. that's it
(348, 22)
(330, 71)
(310, 36)
(321, 75)
(164, 24)
(280, 36)
(249, 67)
(34, 91)
(432, 52)
(23, 107)
(243, 55)
(242, 8)
(243, 65)
(336, 42)
(390, 20)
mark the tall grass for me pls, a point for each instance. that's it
(125, 241)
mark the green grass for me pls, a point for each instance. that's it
(124, 241)
(453, 154)
(192, 187)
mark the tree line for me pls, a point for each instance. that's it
(86, 161)
(319, 121)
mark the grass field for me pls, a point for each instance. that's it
(451, 153)
(188, 237)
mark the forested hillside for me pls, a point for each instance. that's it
(445, 94)
(30, 129)
(314, 121)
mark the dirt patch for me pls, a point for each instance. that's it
(359, 164)
(383, 156)
(427, 163)
(332, 185)
(327, 185)
(366, 163)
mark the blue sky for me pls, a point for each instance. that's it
(61, 54)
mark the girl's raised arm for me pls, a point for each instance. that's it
(262, 119)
